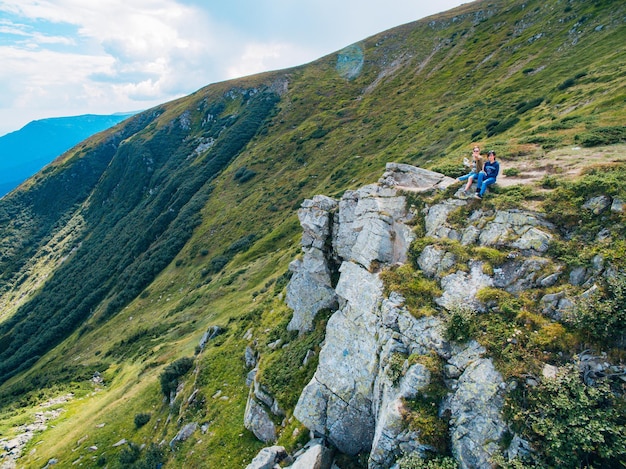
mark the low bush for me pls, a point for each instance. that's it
(418, 291)
(601, 317)
(496, 127)
(546, 142)
(451, 169)
(243, 174)
(460, 324)
(414, 461)
(602, 136)
(173, 371)
(571, 424)
(522, 107)
(141, 419)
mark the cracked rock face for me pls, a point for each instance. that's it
(352, 400)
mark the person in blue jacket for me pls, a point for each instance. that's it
(488, 175)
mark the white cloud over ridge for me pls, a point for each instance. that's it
(69, 57)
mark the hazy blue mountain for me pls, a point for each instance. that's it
(26, 151)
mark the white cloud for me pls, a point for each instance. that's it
(76, 56)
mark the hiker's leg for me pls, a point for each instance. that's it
(486, 182)
(479, 181)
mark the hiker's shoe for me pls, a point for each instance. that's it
(477, 196)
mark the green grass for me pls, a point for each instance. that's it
(325, 135)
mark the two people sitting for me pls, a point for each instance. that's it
(485, 172)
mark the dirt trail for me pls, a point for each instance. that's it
(563, 163)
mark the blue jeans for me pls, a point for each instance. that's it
(482, 182)
(467, 176)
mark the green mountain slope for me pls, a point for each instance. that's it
(118, 257)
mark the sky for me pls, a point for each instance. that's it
(71, 57)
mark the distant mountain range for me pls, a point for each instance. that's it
(26, 151)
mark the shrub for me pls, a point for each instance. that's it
(141, 420)
(496, 127)
(244, 174)
(547, 143)
(217, 264)
(511, 172)
(566, 84)
(491, 255)
(460, 324)
(173, 371)
(450, 169)
(602, 316)
(414, 461)
(129, 454)
(549, 182)
(422, 412)
(242, 244)
(602, 136)
(528, 105)
(418, 291)
(395, 367)
(571, 424)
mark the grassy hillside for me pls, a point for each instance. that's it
(118, 257)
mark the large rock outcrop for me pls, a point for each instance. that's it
(356, 398)
(353, 398)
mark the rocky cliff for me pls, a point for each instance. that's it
(377, 357)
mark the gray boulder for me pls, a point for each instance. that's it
(315, 456)
(617, 206)
(460, 288)
(184, 434)
(476, 425)
(411, 177)
(337, 401)
(597, 204)
(258, 421)
(268, 458)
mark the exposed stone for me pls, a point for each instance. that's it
(418, 179)
(392, 438)
(210, 334)
(308, 357)
(556, 305)
(315, 216)
(184, 434)
(577, 276)
(516, 276)
(597, 204)
(475, 424)
(431, 260)
(517, 229)
(549, 280)
(257, 420)
(268, 457)
(436, 216)
(309, 289)
(549, 371)
(617, 206)
(535, 239)
(460, 288)
(352, 399)
(250, 357)
(315, 456)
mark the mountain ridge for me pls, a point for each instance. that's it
(186, 215)
(27, 150)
